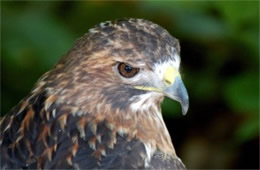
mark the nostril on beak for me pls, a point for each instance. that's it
(167, 82)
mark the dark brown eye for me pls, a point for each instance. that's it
(126, 70)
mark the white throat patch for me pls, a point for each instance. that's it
(144, 102)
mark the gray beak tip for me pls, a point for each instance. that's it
(185, 108)
(185, 103)
(179, 93)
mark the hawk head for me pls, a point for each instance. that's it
(120, 72)
(127, 64)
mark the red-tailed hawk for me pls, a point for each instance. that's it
(99, 107)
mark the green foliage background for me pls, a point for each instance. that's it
(220, 66)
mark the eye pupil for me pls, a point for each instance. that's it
(128, 68)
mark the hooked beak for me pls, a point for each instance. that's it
(175, 88)
(178, 92)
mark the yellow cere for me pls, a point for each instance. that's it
(170, 75)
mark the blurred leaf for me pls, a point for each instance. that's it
(171, 108)
(241, 19)
(242, 93)
(248, 130)
(201, 86)
(39, 36)
(202, 26)
(250, 39)
(236, 14)
(190, 20)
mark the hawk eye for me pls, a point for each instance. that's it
(127, 70)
